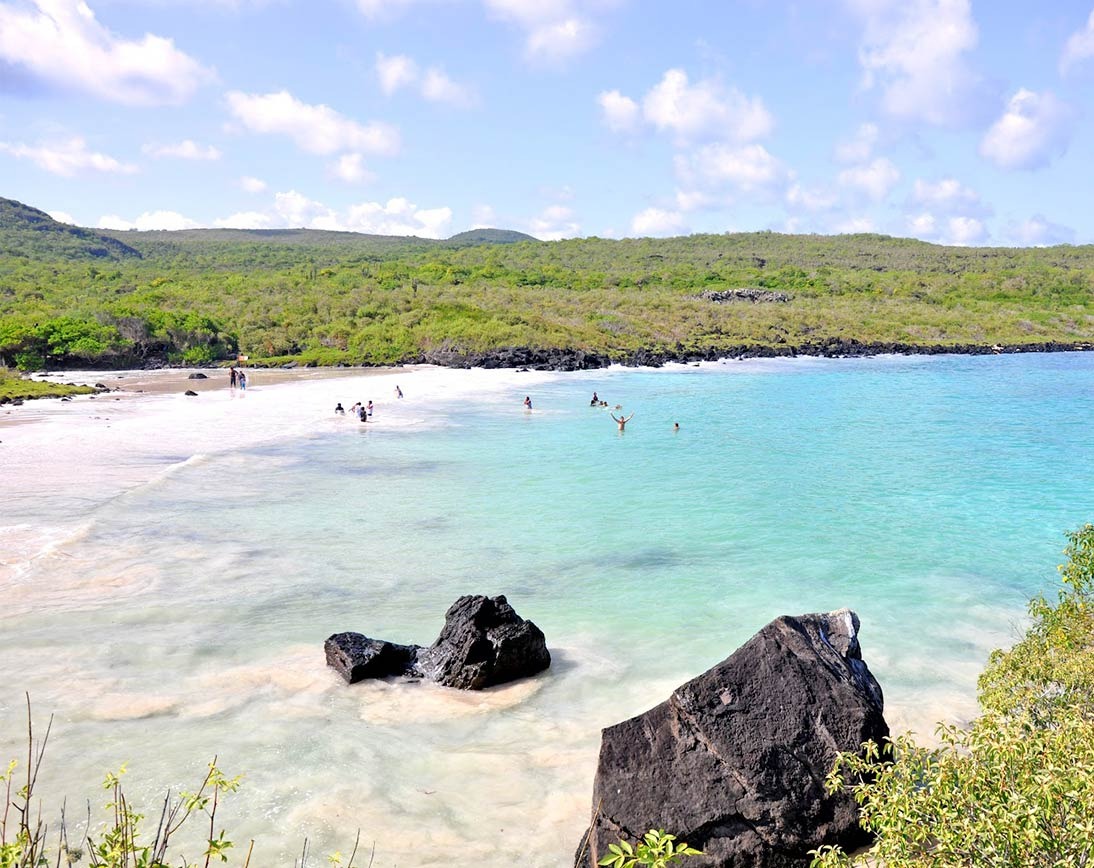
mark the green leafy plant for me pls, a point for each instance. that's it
(657, 849)
(1014, 789)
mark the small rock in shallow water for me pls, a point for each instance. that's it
(190, 393)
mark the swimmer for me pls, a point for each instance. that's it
(622, 421)
(527, 402)
(339, 409)
(675, 427)
(368, 408)
(595, 402)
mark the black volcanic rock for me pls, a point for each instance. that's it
(197, 376)
(733, 762)
(483, 643)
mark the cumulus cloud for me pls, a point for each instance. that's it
(317, 129)
(67, 158)
(62, 44)
(187, 149)
(554, 30)
(1034, 128)
(747, 169)
(947, 196)
(874, 179)
(351, 169)
(705, 110)
(811, 198)
(854, 225)
(384, 8)
(252, 185)
(859, 147)
(399, 71)
(621, 113)
(956, 230)
(966, 230)
(1079, 47)
(915, 53)
(62, 217)
(657, 221)
(1038, 231)
(483, 217)
(149, 221)
(398, 216)
(555, 222)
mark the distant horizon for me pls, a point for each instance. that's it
(956, 122)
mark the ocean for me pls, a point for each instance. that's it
(169, 571)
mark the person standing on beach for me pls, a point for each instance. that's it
(622, 421)
(232, 376)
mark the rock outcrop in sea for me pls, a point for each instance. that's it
(483, 643)
(734, 761)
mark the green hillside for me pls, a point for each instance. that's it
(489, 236)
(327, 298)
(26, 231)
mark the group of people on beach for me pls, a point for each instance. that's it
(362, 411)
(237, 377)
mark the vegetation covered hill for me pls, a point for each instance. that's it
(321, 297)
(489, 236)
(26, 231)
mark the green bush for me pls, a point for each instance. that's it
(1016, 788)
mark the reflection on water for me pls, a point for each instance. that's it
(167, 586)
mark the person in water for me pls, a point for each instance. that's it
(622, 421)
(242, 381)
(362, 413)
(675, 426)
(527, 402)
(368, 409)
(339, 409)
(398, 392)
(595, 402)
(233, 376)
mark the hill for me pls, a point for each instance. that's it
(327, 298)
(26, 231)
(490, 236)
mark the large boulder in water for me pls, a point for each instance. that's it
(484, 642)
(734, 761)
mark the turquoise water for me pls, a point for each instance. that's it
(929, 494)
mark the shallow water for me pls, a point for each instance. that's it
(169, 571)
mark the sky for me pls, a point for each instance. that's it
(953, 121)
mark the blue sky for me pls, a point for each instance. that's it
(949, 120)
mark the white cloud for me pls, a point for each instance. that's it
(351, 169)
(149, 221)
(948, 196)
(384, 8)
(554, 30)
(657, 221)
(61, 43)
(1039, 231)
(620, 112)
(184, 150)
(252, 185)
(965, 230)
(1079, 47)
(860, 147)
(855, 225)
(399, 71)
(693, 200)
(914, 52)
(749, 169)
(68, 158)
(62, 217)
(704, 110)
(875, 179)
(555, 222)
(395, 71)
(1034, 128)
(244, 220)
(811, 199)
(923, 226)
(397, 216)
(317, 129)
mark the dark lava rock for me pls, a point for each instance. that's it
(197, 376)
(484, 642)
(733, 762)
(190, 393)
(357, 657)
